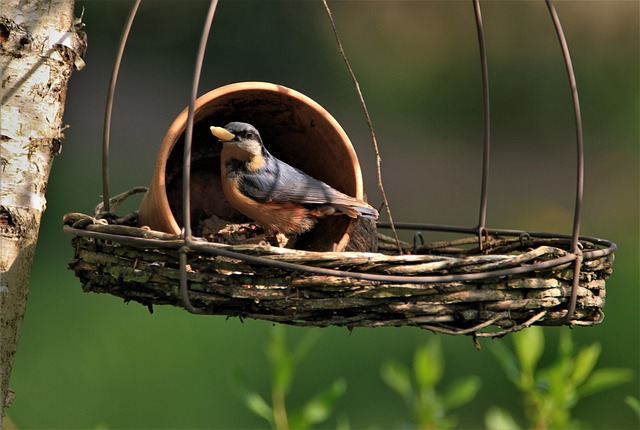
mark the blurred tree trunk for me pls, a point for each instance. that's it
(39, 46)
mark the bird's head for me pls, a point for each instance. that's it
(240, 135)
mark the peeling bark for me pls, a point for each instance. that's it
(39, 47)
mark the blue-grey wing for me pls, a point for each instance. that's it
(279, 182)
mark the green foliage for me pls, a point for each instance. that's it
(283, 363)
(634, 404)
(429, 408)
(499, 419)
(551, 393)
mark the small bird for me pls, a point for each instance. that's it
(279, 197)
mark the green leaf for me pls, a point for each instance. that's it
(396, 376)
(499, 419)
(319, 408)
(259, 406)
(428, 365)
(529, 345)
(461, 392)
(252, 400)
(564, 362)
(565, 344)
(634, 404)
(585, 362)
(603, 379)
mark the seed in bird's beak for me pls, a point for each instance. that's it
(222, 134)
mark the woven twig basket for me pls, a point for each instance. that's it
(474, 296)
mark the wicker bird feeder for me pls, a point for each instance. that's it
(487, 283)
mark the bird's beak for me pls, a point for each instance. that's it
(222, 134)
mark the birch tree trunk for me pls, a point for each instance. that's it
(39, 46)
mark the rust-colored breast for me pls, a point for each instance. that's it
(287, 218)
(274, 217)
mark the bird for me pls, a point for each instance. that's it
(277, 196)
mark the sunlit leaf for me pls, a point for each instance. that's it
(585, 362)
(462, 391)
(603, 379)
(565, 344)
(634, 404)
(259, 406)
(499, 419)
(397, 377)
(428, 364)
(565, 358)
(529, 345)
(319, 408)
(250, 398)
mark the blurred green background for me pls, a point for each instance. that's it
(89, 361)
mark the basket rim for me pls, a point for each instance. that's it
(87, 226)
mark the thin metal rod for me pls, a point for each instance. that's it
(578, 123)
(186, 161)
(106, 133)
(184, 291)
(486, 122)
(580, 156)
(573, 300)
(186, 172)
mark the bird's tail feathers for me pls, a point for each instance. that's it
(367, 212)
(359, 210)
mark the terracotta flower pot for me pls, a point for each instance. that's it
(294, 128)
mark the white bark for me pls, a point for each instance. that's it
(38, 49)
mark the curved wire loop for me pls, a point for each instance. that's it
(486, 147)
(579, 138)
(580, 159)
